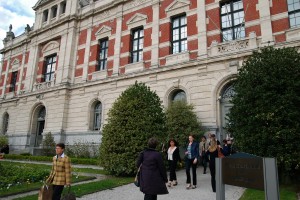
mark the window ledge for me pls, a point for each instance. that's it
(178, 58)
(134, 67)
(43, 85)
(10, 95)
(97, 75)
(292, 34)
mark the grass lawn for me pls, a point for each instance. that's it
(17, 189)
(88, 188)
(286, 193)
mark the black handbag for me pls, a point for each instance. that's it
(69, 195)
(137, 177)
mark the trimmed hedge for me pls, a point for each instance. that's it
(84, 161)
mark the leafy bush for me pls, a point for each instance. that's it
(48, 145)
(3, 140)
(135, 116)
(14, 175)
(181, 122)
(81, 149)
(265, 117)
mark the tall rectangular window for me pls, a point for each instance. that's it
(13, 81)
(50, 64)
(53, 12)
(102, 63)
(232, 20)
(179, 34)
(63, 6)
(137, 45)
(45, 15)
(294, 13)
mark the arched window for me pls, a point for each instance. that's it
(5, 123)
(178, 95)
(41, 121)
(97, 116)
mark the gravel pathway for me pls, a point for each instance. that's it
(202, 192)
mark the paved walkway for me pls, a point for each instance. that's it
(202, 192)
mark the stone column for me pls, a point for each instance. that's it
(32, 67)
(201, 23)
(87, 53)
(155, 35)
(5, 77)
(118, 41)
(61, 58)
(263, 7)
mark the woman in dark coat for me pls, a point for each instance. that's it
(153, 176)
(173, 158)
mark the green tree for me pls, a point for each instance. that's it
(135, 116)
(265, 117)
(182, 121)
(3, 140)
(48, 145)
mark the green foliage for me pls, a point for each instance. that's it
(135, 116)
(83, 149)
(265, 117)
(181, 122)
(48, 145)
(3, 140)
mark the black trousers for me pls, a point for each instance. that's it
(212, 168)
(150, 197)
(57, 190)
(204, 161)
(189, 164)
(172, 168)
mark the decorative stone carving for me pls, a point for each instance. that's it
(43, 85)
(137, 20)
(50, 48)
(103, 32)
(233, 46)
(177, 7)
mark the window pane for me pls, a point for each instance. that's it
(226, 21)
(176, 47)
(140, 56)
(54, 59)
(141, 43)
(239, 32)
(225, 9)
(237, 5)
(184, 45)
(227, 35)
(141, 33)
(176, 34)
(183, 32)
(183, 21)
(135, 45)
(176, 23)
(135, 34)
(238, 18)
(134, 57)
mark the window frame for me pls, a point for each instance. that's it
(5, 123)
(45, 15)
(180, 40)
(232, 27)
(138, 39)
(291, 13)
(52, 69)
(102, 63)
(54, 10)
(13, 81)
(63, 7)
(97, 112)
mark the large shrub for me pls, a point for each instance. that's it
(135, 116)
(3, 140)
(48, 145)
(181, 122)
(265, 117)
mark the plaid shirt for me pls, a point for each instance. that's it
(61, 171)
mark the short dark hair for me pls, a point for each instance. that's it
(173, 140)
(152, 143)
(61, 145)
(203, 137)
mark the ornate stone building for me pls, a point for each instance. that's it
(63, 74)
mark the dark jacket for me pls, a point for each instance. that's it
(194, 150)
(176, 155)
(153, 175)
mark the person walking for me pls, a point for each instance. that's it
(61, 172)
(153, 175)
(203, 147)
(191, 158)
(213, 154)
(173, 158)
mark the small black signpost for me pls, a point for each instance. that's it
(246, 170)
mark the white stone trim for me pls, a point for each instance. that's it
(104, 31)
(212, 6)
(177, 7)
(137, 20)
(292, 34)
(97, 75)
(134, 67)
(50, 48)
(178, 58)
(15, 65)
(279, 16)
